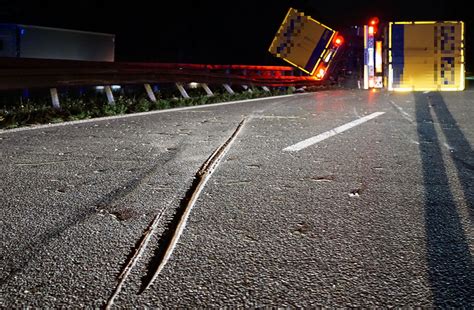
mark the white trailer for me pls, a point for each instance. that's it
(24, 41)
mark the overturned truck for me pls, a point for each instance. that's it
(306, 44)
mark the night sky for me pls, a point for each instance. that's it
(237, 32)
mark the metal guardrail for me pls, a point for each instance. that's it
(19, 73)
(34, 73)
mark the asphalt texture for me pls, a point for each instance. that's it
(379, 215)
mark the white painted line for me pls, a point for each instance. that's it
(109, 118)
(400, 109)
(316, 139)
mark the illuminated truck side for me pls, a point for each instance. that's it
(306, 44)
(424, 56)
(24, 41)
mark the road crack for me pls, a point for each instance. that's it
(175, 228)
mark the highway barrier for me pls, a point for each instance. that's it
(18, 73)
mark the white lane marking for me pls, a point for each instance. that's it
(404, 114)
(108, 118)
(316, 139)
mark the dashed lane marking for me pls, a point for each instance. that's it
(316, 139)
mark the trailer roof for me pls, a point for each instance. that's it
(57, 29)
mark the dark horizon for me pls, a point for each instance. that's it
(213, 32)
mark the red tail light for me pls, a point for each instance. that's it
(374, 21)
(339, 40)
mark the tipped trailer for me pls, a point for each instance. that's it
(306, 44)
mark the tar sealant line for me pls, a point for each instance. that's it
(316, 139)
(136, 256)
(109, 118)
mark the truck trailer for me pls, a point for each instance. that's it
(306, 44)
(424, 56)
(24, 41)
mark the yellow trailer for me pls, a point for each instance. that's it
(306, 43)
(425, 56)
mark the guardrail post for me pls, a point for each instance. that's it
(150, 92)
(265, 89)
(229, 90)
(183, 91)
(207, 89)
(110, 95)
(55, 98)
(247, 88)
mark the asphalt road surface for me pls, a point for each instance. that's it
(336, 198)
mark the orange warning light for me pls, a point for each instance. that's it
(321, 73)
